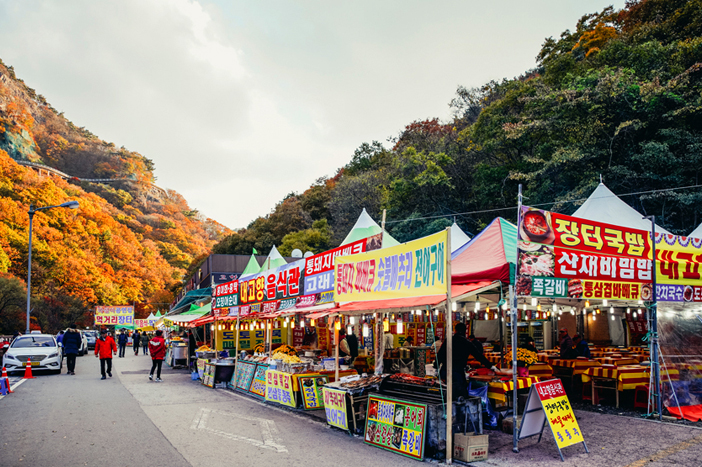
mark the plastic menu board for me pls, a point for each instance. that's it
(279, 388)
(311, 390)
(335, 407)
(209, 375)
(396, 425)
(244, 375)
(258, 384)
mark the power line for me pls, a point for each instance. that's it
(541, 204)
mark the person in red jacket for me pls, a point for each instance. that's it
(157, 348)
(105, 348)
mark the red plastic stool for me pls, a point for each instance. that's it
(641, 397)
(587, 393)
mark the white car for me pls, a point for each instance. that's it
(41, 348)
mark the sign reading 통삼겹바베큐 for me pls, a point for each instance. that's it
(412, 269)
(569, 257)
(114, 315)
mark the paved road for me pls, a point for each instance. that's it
(61, 420)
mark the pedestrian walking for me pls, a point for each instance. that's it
(158, 351)
(145, 342)
(122, 341)
(136, 342)
(71, 346)
(105, 348)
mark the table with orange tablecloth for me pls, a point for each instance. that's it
(540, 370)
(578, 366)
(498, 390)
(628, 376)
(617, 361)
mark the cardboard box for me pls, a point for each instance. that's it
(470, 447)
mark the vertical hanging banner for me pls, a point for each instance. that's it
(412, 269)
(113, 315)
(568, 257)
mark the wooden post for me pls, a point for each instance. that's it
(336, 350)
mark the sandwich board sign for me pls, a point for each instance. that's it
(547, 402)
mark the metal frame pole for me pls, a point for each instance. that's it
(29, 265)
(513, 296)
(449, 354)
(654, 324)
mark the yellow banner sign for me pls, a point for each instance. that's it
(413, 269)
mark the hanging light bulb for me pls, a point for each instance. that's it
(337, 325)
(594, 317)
(604, 302)
(633, 314)
(524, 306)
(285, 323)
(587, 303)
(611, 309)
(538, 307)
(454, 306)
(436, 312)
(534, 301)
(349, 330)
(312, 322)
(477, 306)
(400, 327)
(639, 310)
(555, 308)
(386, 325)
(612, 317)
(302, 323)
(560, 311)
(352, 320)
(365, 329)
(211, 327)
(628, 311)
(572, 310)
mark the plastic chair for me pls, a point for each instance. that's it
(641, 397)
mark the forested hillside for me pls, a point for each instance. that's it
(620, 96)
(129, 242)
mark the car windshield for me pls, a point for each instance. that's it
(89, 333)
(34, 341)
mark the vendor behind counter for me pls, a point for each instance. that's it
(462, 350)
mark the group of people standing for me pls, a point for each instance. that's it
(138, 340)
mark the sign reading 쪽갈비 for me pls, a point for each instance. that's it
(412, 269)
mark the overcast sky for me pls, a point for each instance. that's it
(240, 102)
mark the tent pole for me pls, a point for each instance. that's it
(336, 350)
(513, 297)
(236, 346)
(449, 353)
(654, 324)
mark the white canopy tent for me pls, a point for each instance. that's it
(606, 207)
(458, 237)
(697, 233)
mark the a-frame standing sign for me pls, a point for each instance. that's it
(547, 401)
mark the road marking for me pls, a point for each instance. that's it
(14, 386)
(269, 432)
(667, 452)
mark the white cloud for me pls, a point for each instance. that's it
(238, 102)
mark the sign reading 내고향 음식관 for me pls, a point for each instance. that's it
(412, 269)
(569, 257)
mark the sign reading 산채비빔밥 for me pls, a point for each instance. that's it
(568, 257)
(412, 269)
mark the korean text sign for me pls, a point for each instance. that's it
(319, 269)
(311, 390)
(395, 425)
(112, 315)
(279, 388)
(244, 375)
(275, 284)
(225, 295)
(559, 413)
(335, 407)
(564, 256)
(413, 269)
(258, 384)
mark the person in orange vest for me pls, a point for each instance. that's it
(105, 348)
(157, 347)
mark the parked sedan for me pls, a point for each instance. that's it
(43, 350)
(91, 336)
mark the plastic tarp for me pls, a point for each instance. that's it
(274, 260)
(252, 267)
(458, 237)
(697, 233)
(366, 227)
(490, 256)
(604, 206)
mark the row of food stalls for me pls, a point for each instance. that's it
(281, 325)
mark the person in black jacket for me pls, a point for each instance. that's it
(462, 350)
(122, 343)
(581, 346)
(135, 342)
(71, 345)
